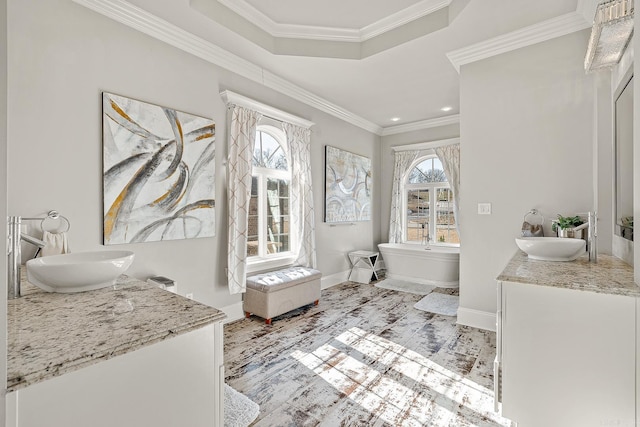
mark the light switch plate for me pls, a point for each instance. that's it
(484, 208)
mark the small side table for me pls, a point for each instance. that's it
(364, 266)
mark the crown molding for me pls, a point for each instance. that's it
(422, 124)
(251, 14)
(527, 36)
(283, 86)
(308, 32)
(147, 23)
(402, 17)
(267, 110)
(311, 32)
(293, 31)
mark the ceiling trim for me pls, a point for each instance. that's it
(527, 36)
(147, 23)
(311, 32)
(267, 110)
(275, 29)
(402, 17)
(423, 124)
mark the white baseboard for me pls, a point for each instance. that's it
(233, 311)
(334, 279)
(477, 319)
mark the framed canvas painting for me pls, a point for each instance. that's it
(158, 172)
(347, 186)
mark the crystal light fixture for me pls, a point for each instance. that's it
(610, 34)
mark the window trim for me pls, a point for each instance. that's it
(432, 187)
(264, 261)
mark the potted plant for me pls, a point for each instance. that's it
(564, 226)
(626, 227)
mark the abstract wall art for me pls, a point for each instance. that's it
(158, 172)
(347, 186)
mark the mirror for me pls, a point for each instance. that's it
(624, 162)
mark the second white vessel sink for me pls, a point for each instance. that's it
(78, 272)
(551, 248)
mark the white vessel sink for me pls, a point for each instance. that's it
(551, 248)
(78, 272)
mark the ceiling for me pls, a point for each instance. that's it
(401, 71)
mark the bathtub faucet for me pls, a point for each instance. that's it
(426, 239)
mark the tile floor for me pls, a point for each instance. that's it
(363, 357)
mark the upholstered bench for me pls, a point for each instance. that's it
(277, 292)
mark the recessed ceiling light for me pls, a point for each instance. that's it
(395, 119)
(447, 108)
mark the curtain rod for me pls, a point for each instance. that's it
(426, 145)
(264, 109)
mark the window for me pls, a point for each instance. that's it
(429, 204)
(269, 232)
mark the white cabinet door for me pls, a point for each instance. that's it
(172, 383)
(568, 357)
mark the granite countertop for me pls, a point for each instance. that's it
(50, 334)
(609, 275)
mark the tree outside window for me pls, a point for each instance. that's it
(269, 219)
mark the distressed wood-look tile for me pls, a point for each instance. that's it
(363, 357)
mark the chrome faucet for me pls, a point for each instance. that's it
(14, 253)
(592, 234)
(426, 238)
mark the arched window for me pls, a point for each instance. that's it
(429, 204)
(269, 232)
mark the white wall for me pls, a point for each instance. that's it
(61, 57)
(526, 142)
(636, 199)
(3, 202)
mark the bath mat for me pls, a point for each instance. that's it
(239, 411)
(438, 303)
(404, 286)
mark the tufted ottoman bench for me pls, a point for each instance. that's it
(277, 292)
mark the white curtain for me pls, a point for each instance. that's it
(449, 155)
(301, 202)
(403, 160)
(242, 135)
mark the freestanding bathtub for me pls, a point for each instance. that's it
(431, 265)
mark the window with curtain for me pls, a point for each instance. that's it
(269, 231)
(429, 204)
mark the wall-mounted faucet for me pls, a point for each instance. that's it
(14, 253)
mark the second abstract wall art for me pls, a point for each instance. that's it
(347, 186)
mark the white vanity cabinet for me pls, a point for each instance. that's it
(176, 382)
(565, 357)
(130, 355)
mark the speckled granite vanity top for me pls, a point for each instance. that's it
(609, 275)
(50, 334)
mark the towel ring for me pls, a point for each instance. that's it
(55, 216)
(534, 212)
